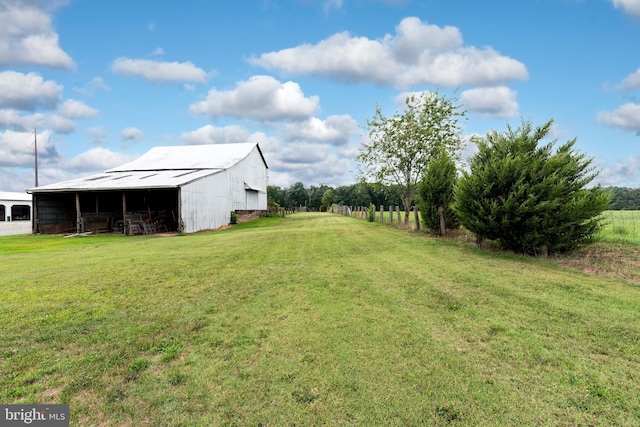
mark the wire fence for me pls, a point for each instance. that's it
(621, 226)
(392, 215)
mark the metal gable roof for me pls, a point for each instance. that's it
(14, 196)
(129, 180)
(160, 167)
(210, 156)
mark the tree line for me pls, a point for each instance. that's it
(624, 198)
(521, 189)
(322, 197)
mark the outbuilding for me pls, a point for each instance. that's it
(15, 213)
(178, 188)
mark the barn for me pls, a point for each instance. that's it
(178, 188)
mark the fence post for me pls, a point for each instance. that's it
(398, 212)
(381, 214)
(415, 212)
(390, 215)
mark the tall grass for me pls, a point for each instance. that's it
(621, 227)
(315, 319)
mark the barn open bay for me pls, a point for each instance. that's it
(312, 319)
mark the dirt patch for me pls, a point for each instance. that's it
(614, 260)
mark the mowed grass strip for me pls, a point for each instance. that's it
(310, 320)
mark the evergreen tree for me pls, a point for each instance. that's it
(528, 197)
(435, 194)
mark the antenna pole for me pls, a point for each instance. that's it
(35, 142)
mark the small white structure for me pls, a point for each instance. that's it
(15, 213)
(184, 188)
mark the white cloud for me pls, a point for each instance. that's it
(98, 135)
(11, 119)
(96, 84)
(497, 101)
(17, 161)
(259, 98)
(73, 109)
(61, 124)
(157, 71)
(132, 134)
(419, 53)
(632, 7)
(304, 153)
(157, 52)
(626, 117)
(631, 82)
(27, 37)
(28, 91)
(335, 130)
(310, 164)
(18, 148)
(621, 174)
(216, 135)
(469, 148)
(97, 160)
(328, 5)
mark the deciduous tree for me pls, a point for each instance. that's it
(399, 148)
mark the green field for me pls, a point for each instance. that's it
(315, 319)
(621, 226)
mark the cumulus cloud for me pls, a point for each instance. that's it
(626, 117)
(623, 173)
(98, 159)
(631, 7)
(17, 148)
(132, 134)
(28, 91)
(157, 71)
(419, 53)
(98, 135)
(313, 168)
(28, 38)
(216, 135)
(335, 130)
(157, 52)
(305, 153)
(497, 101)
(11, 119)
(61, 124)
(94, 85)
(631, 82)
(73, 109)
(329, 5)
(259, 98)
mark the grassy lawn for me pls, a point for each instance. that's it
(622, 227)
(310, 320)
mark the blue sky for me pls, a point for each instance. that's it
(104, 81)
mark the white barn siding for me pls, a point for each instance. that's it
(250, 172)
(207, 203)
